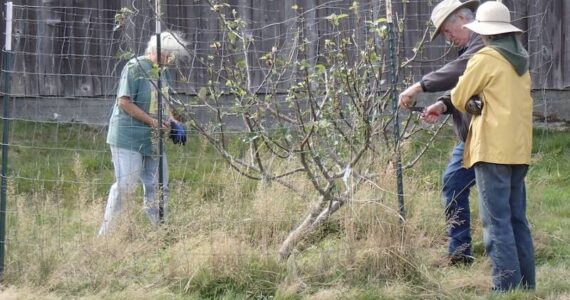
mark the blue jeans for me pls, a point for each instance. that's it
(130, 167)
(508, 242)
(457, 183)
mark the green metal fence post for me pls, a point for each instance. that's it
(5, 132)
(160, 120)
(394, 94)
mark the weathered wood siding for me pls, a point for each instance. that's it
(67, 48)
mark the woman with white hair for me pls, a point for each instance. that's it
(133, 127)
(499, 142)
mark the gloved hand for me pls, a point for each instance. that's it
(177, 133)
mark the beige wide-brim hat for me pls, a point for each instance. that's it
(492, 17)
(445, 8)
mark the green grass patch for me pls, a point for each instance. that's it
(224, 231)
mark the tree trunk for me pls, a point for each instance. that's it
(318, 216)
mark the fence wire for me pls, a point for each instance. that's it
(66, 65)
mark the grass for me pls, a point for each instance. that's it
(223, 232)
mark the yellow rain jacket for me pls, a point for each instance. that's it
(502, 134)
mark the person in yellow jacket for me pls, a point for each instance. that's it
(499, 142)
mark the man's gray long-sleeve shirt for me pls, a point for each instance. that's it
(446, 77)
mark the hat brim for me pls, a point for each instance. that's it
(471, 4)
(491, 28)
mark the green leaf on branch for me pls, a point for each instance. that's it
(335, 19)
(354, 7)
(120, 17)
(320, 69)
(200, 97)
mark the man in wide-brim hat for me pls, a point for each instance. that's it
(499, 143)
(444, 9)
(448, 18)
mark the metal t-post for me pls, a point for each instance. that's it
(394, 94)
(5, 133)
(160, 121)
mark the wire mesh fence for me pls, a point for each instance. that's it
(259, 76)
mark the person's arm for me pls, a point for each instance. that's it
(137, 113)
(128, 86)
(446, 77)
(443, 79)
(471, 83)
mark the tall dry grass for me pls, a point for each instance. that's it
(221, 241)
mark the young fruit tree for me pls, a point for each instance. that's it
(307, 106)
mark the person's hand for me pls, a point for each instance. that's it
(474, 106)
(432, 113)
(164, 127)
(407, 97)
(177, 133)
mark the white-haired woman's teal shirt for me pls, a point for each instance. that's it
(138, 82)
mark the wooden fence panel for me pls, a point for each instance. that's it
(68, 48)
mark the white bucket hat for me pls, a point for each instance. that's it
(493, 17)
(445, 8)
